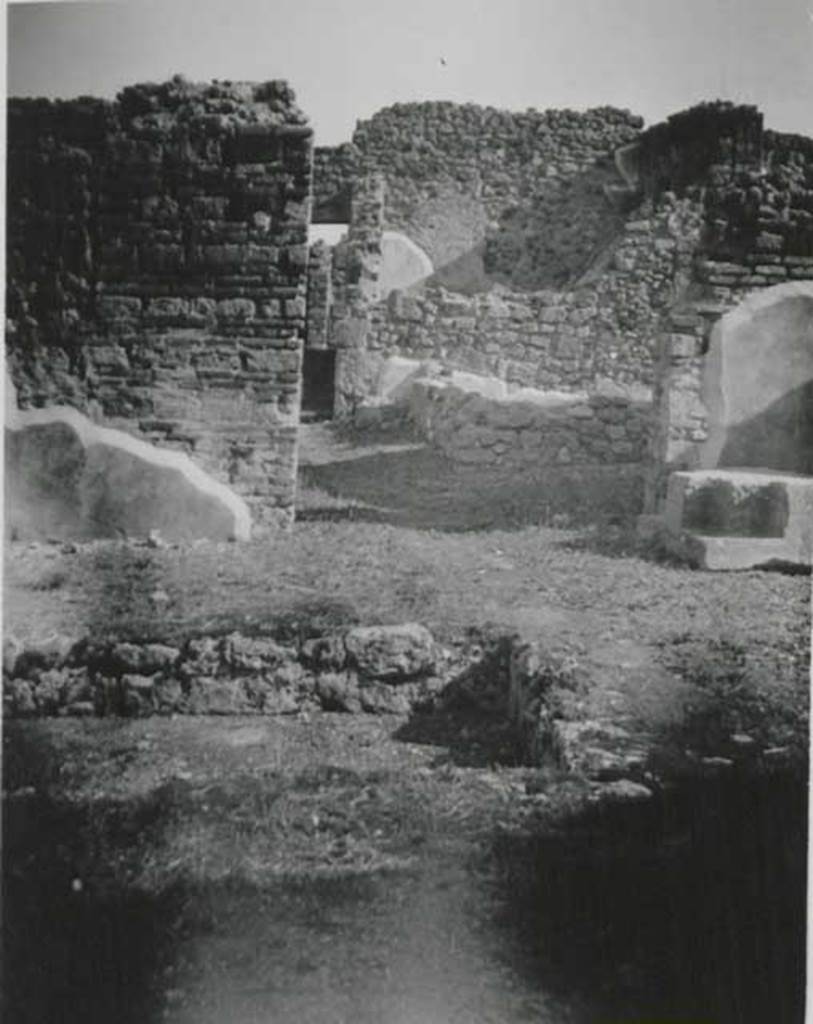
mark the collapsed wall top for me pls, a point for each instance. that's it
(216, 105)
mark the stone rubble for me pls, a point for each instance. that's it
(377, 669)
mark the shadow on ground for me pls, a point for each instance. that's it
(76, 945)
(688, 907)
(468, 720)
(419, 488)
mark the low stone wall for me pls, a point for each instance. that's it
(469, 427)
(380, 669)
(366, 669)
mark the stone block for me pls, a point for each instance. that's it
(683, 346)
(338, 691)
(391, 652)
(740, 519)
(379, 698)
(162, 258)
(202, 309)
(18, 698)
(137, 694)
(596, 749)
(144, 659)
(119, 307)
(49, 652)
(236, 309)
(296, 308)
(207, 696)
(768, 241)
(325, 652)
(201, 657)
(253, 654)
(167, 309)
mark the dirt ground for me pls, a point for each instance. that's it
(388, 531)
(335, 868)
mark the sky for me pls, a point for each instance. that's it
(347, 59)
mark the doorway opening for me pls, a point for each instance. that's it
(318, 384)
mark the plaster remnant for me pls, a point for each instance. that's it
(70, 478)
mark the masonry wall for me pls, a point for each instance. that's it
(464, 178)
(157, 271)
(335, 170)
(355, 271)
(597, 336)
(523, 435)
(723, 208)
(606, 256)
(603, 331)
(756, 232)
(320, 295)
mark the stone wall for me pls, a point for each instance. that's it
(757, 186)
(157, 257)
(377, 669)
(355, 271)
(335, 169)
(723, 208)
(755, 194)
(682, 397)
(684, 150)
(320, 295)
(599, 337)
(457, 174)
(555, 238)
(528, 435)
(606, 329)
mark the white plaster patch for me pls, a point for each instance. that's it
(403, 263)
(759, 353)
(330, 234)
(125, 461)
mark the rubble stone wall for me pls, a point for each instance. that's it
(355, 271)
(455, 172)
(335, 169)
(157, 271)
(377, 669)
(523, 436)
(320, 295)
(604, 330)
(756, 232)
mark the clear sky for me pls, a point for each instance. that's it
(348, 58)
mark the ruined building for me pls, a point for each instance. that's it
(599, 296)
(538, 289)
